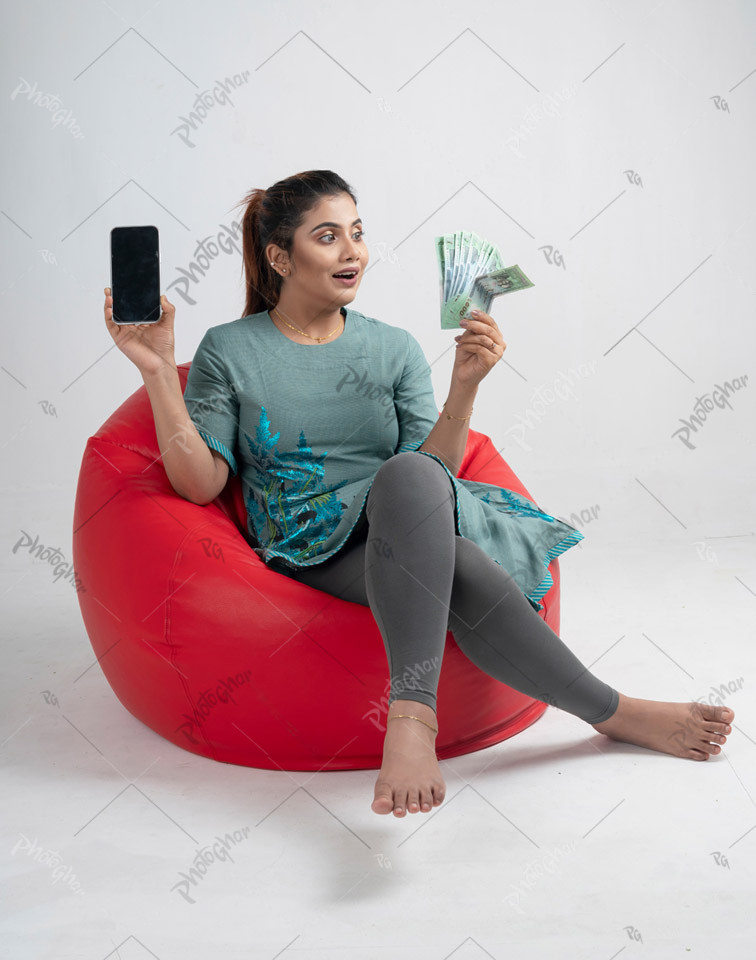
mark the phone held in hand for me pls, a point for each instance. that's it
(135, 274)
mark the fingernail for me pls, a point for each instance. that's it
(475, 313)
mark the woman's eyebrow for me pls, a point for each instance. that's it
(330, 223)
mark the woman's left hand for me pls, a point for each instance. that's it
(479, 348)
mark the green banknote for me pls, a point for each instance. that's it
(471, 274)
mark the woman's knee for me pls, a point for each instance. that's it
(409, 473)
(409, 461)
(407, 487)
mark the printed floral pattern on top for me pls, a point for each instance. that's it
(296, 509)
(514, 503)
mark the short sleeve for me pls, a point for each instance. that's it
(414, 399)
(212, 401)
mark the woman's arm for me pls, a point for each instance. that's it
(448, 438)
(479, 349)
(194, 471)
(195, 474)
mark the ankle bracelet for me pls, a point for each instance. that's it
(412, 717)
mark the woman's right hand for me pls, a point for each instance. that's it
(149, 345)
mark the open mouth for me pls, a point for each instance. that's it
(347, 278)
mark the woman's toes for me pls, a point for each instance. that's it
(384, 798)
(721, 714)
(719, 728)
(426, 800)
(413, 804)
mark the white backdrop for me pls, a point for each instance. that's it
(605, 147)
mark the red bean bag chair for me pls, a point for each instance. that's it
(232, 660)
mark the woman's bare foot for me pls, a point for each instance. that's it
(690, 730)
(410, 777)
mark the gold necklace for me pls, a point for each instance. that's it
(319, 339)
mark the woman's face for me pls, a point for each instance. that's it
(329, 241)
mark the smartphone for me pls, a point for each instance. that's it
(135, 274)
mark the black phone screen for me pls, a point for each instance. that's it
(135, 274)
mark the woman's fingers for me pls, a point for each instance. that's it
(480, 338)
(481, 348)
(483, 328)
(167, 311)
(108, 310)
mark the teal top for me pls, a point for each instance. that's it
(307, 427)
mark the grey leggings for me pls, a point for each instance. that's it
(420, 578)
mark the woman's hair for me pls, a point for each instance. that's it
(272, 216)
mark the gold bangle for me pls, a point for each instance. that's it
(450, 417)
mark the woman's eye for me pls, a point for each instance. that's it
(360, 233)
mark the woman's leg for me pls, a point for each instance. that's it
(400, 563)
(496, 627)
(409, 570)
(421, 579)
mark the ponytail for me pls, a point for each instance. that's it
(272, 216)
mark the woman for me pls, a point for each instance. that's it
(350, 483)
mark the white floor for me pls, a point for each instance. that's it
(557, 843)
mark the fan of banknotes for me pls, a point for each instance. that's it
(472, 274)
